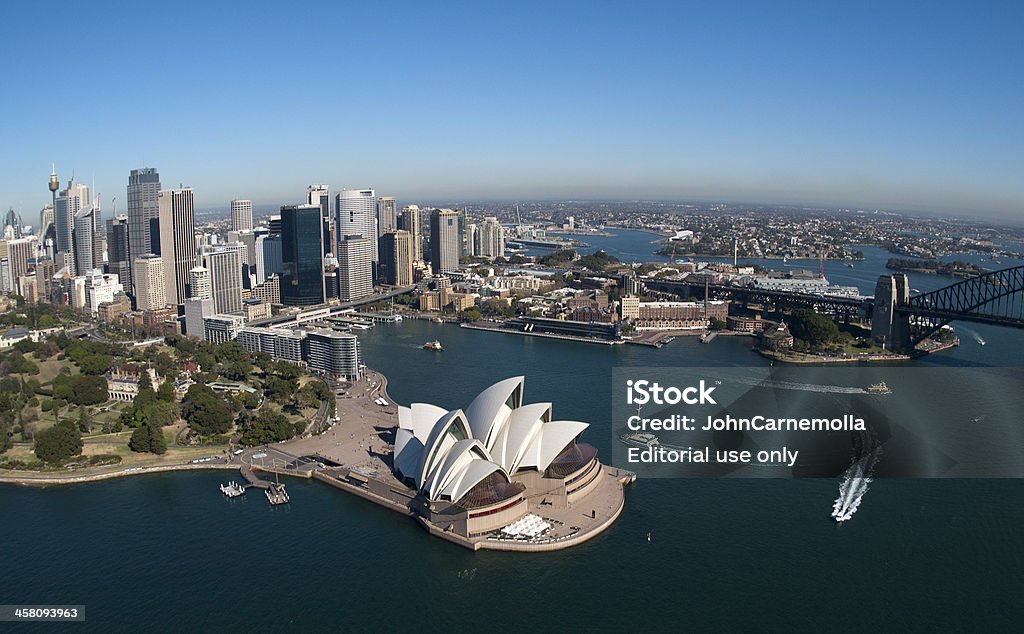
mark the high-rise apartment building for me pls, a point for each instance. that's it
(199, 284)
(396, 258)
(149, 282)
(445, 243)
(490, 241)
(241, 215)
(143, 211)
(356, 211)
(177, 241)
(355, 267)
(302, 280)
(333, 353)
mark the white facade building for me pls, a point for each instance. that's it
(356, 213)
(241, 215)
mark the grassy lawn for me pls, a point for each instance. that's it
(119, 447)
(51, 368)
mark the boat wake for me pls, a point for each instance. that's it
(975, 335)
(856, 481)
(802, 387)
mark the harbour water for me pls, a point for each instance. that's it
(168, 552)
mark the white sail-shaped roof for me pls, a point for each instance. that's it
(409, 458)
(447, 453)
(472, 475)
(491, 408)
(554, 437)
(517, 434)
(420, 418)
(455, 463)
(449, 429)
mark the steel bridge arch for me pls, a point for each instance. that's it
(1001, 291)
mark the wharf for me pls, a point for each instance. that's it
(547, 335)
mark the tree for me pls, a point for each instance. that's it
(148, 438)
(267, 427)
(470, 314)
(80, 389)
(205, 412)
(279, 390)
(58, 443)
(717, 324)
(5, 438)
(237, 370)
(84, 419)
(817, 330)
(495, 307)
(141, 439)
(161, 414)
(165, 392)
(251, 400)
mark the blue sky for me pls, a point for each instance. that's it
(904, 105)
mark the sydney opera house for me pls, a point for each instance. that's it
(477, 470)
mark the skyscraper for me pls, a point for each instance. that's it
(177, 241)
(302, 282)
(19, 252)
(320, 195)
(224, 267)
(117, 250)
(411, 223)
(47, 230)
(470, 238)
(241, 215)
(357, 216)
(88, 251)
(387, 215)
(355, 267)
(69, 202)
(445, 244)
(143, 210)
(149, 280)
(268, 256)
(396, 258)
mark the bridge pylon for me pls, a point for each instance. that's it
(888, 324)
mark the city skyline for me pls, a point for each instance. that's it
(852, 106)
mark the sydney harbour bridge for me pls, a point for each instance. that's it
(899, 319)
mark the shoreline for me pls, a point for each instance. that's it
(351, 473)
(70, 478)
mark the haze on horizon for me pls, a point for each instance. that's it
(903, 107)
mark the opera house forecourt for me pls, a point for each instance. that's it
(504, 475)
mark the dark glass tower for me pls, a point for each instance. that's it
(302, 283)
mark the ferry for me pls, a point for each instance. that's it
(640, 439)
(232, 489)
(433, 345)
(878, 388)
(437, 320)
